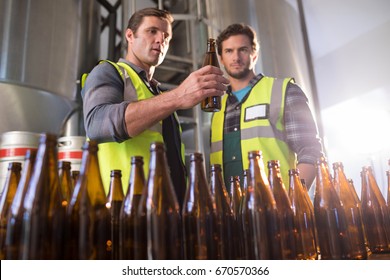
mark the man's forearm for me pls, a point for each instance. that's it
(307, 172)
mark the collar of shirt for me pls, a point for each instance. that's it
(252, 82)
(152, 84)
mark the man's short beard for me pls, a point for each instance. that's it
(239, 75)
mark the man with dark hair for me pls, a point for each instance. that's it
(125, 110)
(260, 113)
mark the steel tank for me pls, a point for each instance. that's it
(45, 45)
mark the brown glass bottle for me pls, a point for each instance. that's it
(44, 214)
(8, 194)
(75, 176)
(285, 212)
(244, 187)
(212, 103)
(224, 213)
(253, 226)
(235, 195)
(133, 236)
(114, 204)
(353, 189)
(310, 202)
(65, 181)
(254, 221)
(164, 229)
(235, 206)
(329, 216)
(374, 213)
(88, 227)
(306, 247)
(260, 181)
(352, 211)
(388, 189)
(15, 217)
(200, 225)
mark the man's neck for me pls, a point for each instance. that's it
(149, 70)
(238, 84)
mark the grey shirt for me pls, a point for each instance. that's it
(105, 98)
(105, 102)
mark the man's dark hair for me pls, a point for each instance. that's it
(237, 29)
(136, 19)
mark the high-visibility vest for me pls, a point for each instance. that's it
(261, 126)
(114, 155)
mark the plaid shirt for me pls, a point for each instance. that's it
(300, 127)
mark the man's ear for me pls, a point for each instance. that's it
(129, 35)
(255, 57)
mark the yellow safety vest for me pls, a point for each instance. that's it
(114, 155)
(261, 126)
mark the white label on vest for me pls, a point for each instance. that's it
(256, 112)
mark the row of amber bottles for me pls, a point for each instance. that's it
(276, 224)
(337, 214)
(45, 215)
(147, 223)
(247, 224)
(376, 215)
(349, 227)
(51, 218)
(12, 202)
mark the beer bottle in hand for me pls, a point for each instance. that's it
(212, 103)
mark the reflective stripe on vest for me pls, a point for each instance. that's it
(264, 134)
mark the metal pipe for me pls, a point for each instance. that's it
(310, 67)
(197, 112)
(112, 10)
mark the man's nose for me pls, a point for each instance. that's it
(162, 37)
(235, 55)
